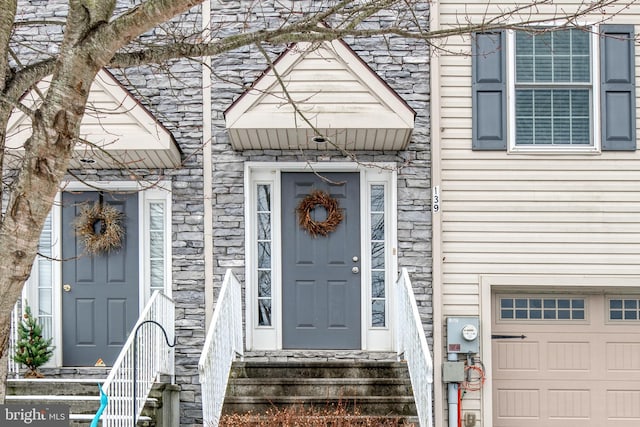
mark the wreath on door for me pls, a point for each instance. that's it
(99, 226)
(309, 203)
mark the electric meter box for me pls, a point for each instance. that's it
(463, 335)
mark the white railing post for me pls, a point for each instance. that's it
(223, 343)
(153, 356)
(413, 346)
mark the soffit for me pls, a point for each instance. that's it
(116, 131)
(322, 90)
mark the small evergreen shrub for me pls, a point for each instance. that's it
(32, 350)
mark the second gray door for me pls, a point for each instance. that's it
(100, 292)
(321, 275)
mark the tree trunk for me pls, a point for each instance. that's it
(5, 329)
(89, 44)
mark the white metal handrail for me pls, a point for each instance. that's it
(153, 357)
(412, 343)
(223, 343)
(13, 369)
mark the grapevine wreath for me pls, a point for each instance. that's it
(100, 228)
(308, 204)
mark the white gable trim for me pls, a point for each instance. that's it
(343, 99)
(115, 123)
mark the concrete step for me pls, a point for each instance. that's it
(328, 387)
(336, 421)
(77, 404)
(334, 388)
(334, 369)
(83, 420)
(364, 405)
(82, 396)
(54, 386)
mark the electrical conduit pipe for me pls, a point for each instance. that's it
(452, 395)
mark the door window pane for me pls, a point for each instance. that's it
(264, 246)
(44, 275)
(157, 236)
(378, 272)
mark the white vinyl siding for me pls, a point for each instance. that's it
(524, 215)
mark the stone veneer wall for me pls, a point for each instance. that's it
(176, 102)
(404, 66)
(173, 94)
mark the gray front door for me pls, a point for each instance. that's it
(320, 287)
(100, 292)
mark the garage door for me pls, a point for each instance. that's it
(578, 365)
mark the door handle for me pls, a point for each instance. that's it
(355, 270)
(66, 287)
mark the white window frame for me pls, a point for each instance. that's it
(159, 192)
(595, 147)
(256, 173)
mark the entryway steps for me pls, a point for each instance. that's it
(368, 388)
(81, 395)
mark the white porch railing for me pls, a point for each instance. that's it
(13, 369)
(153, 356)
(412, 343)
(224, 341)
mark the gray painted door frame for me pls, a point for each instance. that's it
(267, 174)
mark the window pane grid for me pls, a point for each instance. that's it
(553, 88)
(45, 279)
(157, 261)
(538, 308)
(377, 236)
(264, 245)
(553, 117)
(624, 309)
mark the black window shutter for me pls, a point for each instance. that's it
(489, 91)
(617, 87)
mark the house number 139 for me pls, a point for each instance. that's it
(435, 200)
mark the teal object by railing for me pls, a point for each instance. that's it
(104, 401)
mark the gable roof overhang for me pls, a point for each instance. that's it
(323, 90)
(116, 132)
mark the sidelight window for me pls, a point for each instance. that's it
(378, 267)
(265, 245)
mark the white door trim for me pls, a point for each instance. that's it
(161, 192)
(259, 173)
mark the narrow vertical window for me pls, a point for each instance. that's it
(45, 279)
(378, 283)
(157, 261)
(264, 243)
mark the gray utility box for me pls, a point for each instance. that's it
(453, 372)
(463, 335)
